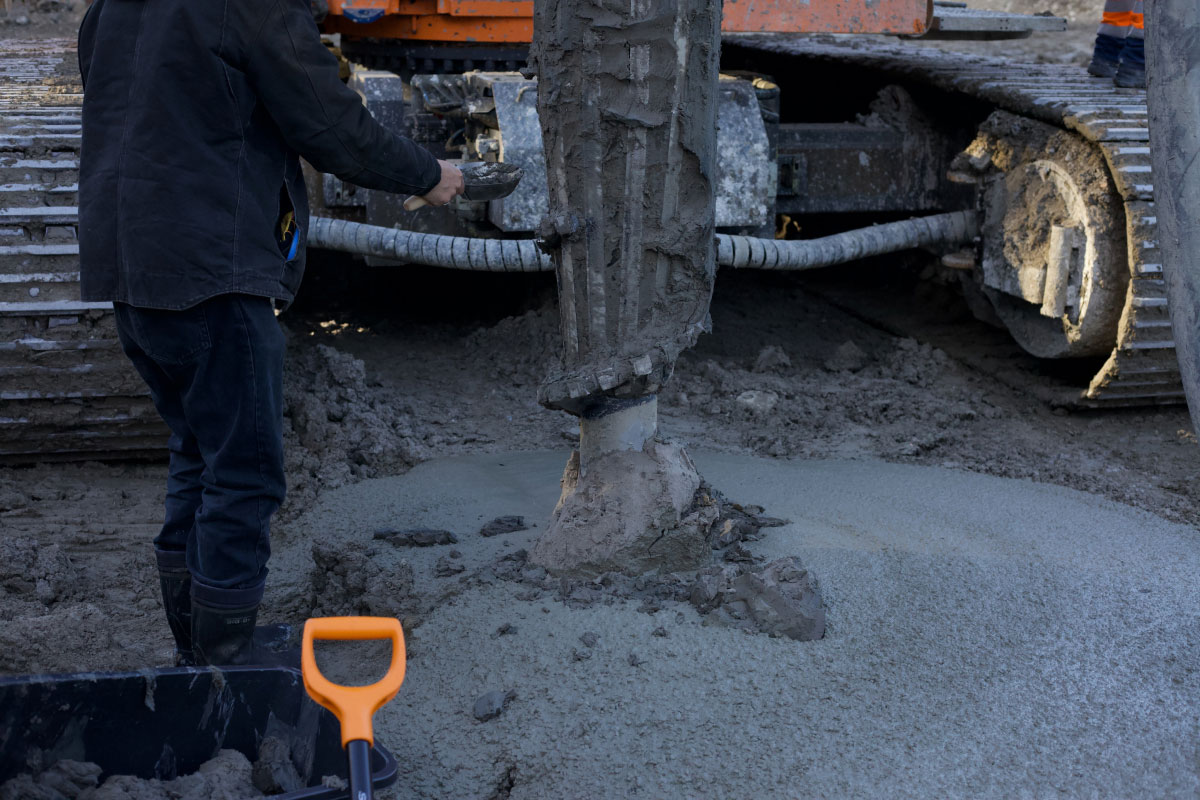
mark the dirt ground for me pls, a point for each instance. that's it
(389, 368)
(863, 361)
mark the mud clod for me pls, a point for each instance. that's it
(772, 358)
(780, 600)
(227, 776)
(346, 579)
(737, 524)
(416, 537)
(336, 429)
(589, 639)
(447, 568)
(491, 705)
(737, 554)
(757, 401)
(502, 525)
(273, 772)
(41, 572)
(66, 780)
(848, 357)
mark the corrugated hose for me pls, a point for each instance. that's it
(739, 252)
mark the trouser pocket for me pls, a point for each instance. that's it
(167, 336)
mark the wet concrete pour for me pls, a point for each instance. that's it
(986, 637)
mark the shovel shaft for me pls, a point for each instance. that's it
(359, 753)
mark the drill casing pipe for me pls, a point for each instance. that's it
(614, 425)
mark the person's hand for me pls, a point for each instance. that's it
(449, 187)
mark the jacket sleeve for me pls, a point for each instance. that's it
(296, 78)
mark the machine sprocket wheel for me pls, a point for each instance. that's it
(1053, 255)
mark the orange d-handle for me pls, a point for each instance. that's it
(354, 706)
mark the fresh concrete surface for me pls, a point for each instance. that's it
(987, 638)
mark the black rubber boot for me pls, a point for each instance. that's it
(1130, 75)
(1106, 54)
(1102, 68)
(223, 637)
(224, 631)
(223, 623)
(176, 584)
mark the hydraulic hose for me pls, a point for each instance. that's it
(435, 250)
(739, 252)
(749, 252)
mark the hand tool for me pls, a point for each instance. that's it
(482, 180)
(354, 706)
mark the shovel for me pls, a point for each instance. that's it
(354, 706)
(482, 180)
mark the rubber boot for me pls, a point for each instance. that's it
(224, 632)
(223, 636)
(223, 623)
(1131, 74)
(1106, 56)
(1101, 68)
(176, 584)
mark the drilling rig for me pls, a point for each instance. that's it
(1032, 184)
(1052, 164)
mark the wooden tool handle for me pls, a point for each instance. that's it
(414, 202)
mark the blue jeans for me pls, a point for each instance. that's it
(215, 373)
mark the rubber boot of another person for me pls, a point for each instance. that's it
(192, 221)
(1120, 49)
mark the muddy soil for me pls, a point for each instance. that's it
(387, 370)
(227, 776)
(41, 18)
(858, 362)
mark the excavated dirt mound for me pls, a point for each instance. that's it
(229, 775)
(337, 428)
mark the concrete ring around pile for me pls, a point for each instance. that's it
(986, 637)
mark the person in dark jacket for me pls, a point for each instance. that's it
(192, 221)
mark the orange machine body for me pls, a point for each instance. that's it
(511, 21)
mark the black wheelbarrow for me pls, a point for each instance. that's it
(166, 723)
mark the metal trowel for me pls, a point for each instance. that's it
(482, 180)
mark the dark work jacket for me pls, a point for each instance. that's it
(194, 115)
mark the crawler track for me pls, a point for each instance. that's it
(66, 391)
(1142, 369)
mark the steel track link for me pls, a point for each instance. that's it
(66, 390)
(1142, 369)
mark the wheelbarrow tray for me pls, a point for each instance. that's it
(167, 722)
